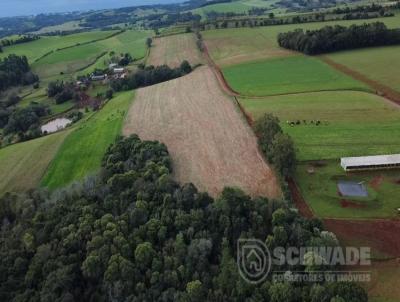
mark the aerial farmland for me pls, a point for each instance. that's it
(139, 146)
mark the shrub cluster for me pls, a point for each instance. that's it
(151, 75)
(62, 92)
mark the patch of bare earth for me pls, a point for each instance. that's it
(209, 141)
(172, 50)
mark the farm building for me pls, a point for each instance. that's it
(98, 77)
(370, 162)
(119, 70)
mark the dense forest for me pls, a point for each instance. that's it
(130, 233)
(150, 75)
(14, 71)
(335, 38)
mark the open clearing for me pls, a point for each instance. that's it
(380, 64)
(82, 151)
(236, 45)
(352, 123)
(23, 165)
(209, 141)
(172, 50)
(287, 75)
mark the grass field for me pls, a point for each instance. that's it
(320, 191)
(353, 123)
(236, 45)
(241, 6)
(23, 165)
(172, 50)
(287, 75)
(381, 64)
(71, 25)
(36, 49)
(209, 141)
(83, 150)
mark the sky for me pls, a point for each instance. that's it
(10, 8)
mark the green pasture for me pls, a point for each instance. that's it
(36, 49)
(381, 64)
(287, 75)
(232, 45)
(320, 191)
(85, 58)
(241, 6)
(22, 165)
(352, 123)
(82, 151)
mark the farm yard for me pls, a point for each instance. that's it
(172, 50)
(287, 75)
(82, 151)
(23, 165)
(318, 182)
(208, 139)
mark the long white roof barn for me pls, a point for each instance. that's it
(371, 162)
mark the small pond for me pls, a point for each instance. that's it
(55, 125)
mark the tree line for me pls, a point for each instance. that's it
(130, 233)
(336, 38)
(277, 146)
(150, 75)
(14, 71)
(19, 40)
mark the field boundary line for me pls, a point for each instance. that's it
(301, 204)
(380, 89)
(97, 58)
(230, 91)
(77, 45)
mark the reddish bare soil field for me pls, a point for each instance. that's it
(210, 143)
(172, 50)
(383, 236)
(298, 199)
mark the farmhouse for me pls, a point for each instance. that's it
(98, 77)
(119, 70)
(370, 162)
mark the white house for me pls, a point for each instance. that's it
(119, 70)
